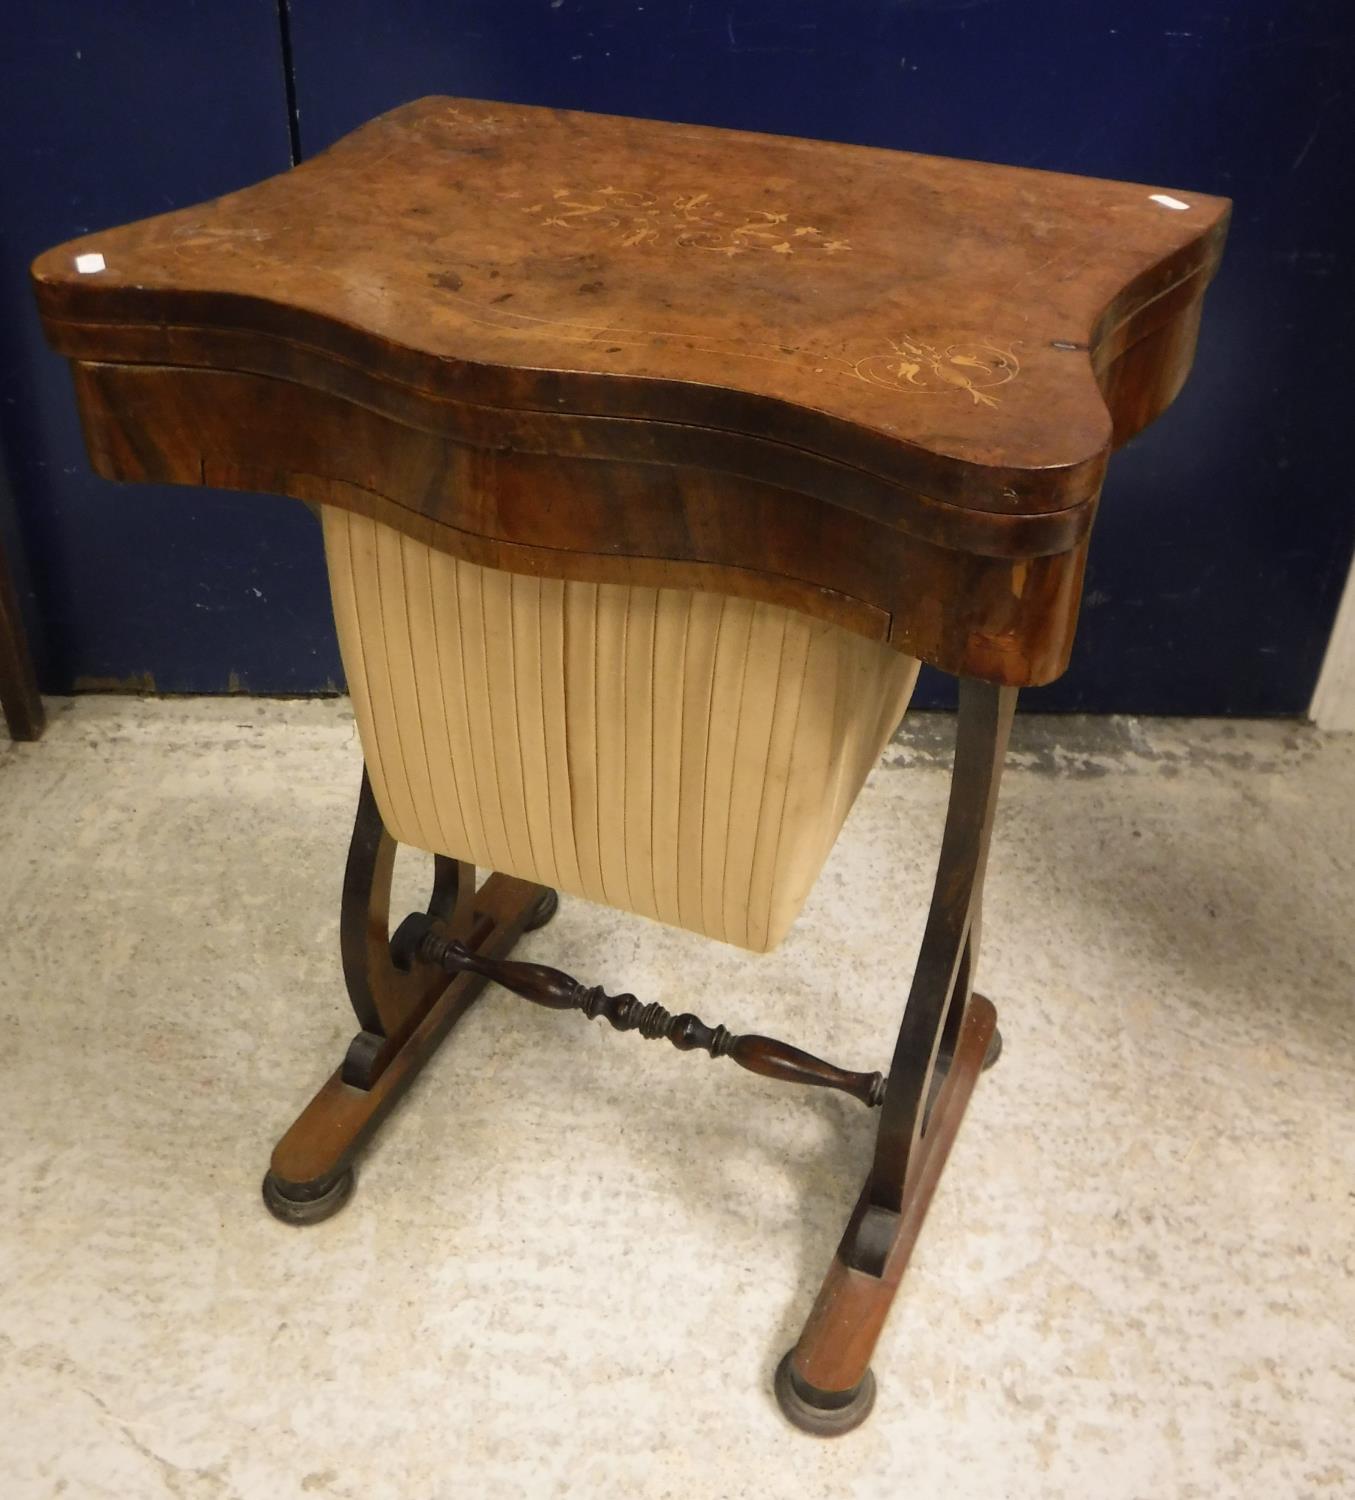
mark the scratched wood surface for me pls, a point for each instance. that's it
(879, 387)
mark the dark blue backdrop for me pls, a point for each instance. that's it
(1226, 530)
(109, 112)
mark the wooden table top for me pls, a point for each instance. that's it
(945, 349)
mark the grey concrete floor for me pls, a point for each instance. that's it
(573, 1258)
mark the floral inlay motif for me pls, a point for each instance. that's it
(692, 221)
(912, 365)
(477, 124)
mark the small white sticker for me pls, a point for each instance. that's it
(1167, 201)
(87, 265)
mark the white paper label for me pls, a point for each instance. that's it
(1167, 201)
(87, 265)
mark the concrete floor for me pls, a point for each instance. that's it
(574, 1258)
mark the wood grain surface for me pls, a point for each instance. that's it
(876, 386)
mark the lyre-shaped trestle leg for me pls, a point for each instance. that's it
(404, 1009)
(824, 1384)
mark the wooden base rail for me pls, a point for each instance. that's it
(416, 940)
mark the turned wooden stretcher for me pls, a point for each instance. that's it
(652, 460)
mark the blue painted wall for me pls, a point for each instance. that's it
(1226, 530)
(109, 112)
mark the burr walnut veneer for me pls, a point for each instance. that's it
(652, 460)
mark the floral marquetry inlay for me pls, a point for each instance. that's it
(912, 365)
(692, 221)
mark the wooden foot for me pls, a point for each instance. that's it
(323, 1197)
(824, 1413)
(829, 1367)
(545, 910)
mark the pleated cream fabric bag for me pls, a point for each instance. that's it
(687, 756)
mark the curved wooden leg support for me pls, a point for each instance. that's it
(404, 1009)
(947, 1035)
(826, 1379)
